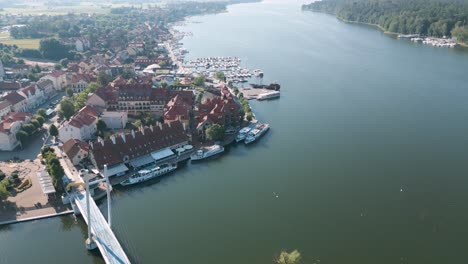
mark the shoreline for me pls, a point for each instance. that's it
(459, 43)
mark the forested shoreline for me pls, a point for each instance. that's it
(436, 18)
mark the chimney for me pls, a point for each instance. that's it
(160, 125)
(101, 141)
(123, 137)
(142, 129)
(184, 126)
(151, 127)
(91, 144)
(133, 133)
(112, 137)
(169, 124)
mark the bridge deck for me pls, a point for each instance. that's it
(110, 248)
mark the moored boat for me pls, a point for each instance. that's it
(256, 133)
(149, 173)
(207, 152)
(243, 134)
(268, 96)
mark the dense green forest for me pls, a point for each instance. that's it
(426, 17)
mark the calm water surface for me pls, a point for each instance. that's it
(367, 152)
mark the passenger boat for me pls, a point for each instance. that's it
(268, 96)
(243, 134)
(207, 152)
(149, 173)
(256, 133)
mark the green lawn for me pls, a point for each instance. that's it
(22, 43)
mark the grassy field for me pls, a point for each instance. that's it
(22, 43)
(78, 8)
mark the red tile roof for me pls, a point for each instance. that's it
(14, 98)
(10, 118)
(73, 146)
(139, 145)
(85, 117)
(56, 74)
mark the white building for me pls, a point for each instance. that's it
(58, 78)
(81, 126)
(5, 108)
(10, 124)
(18, 102)
(76, 150)
(34, 96)
(82, 44)
(115, 120)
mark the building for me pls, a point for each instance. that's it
(47, 86)
(179, 108)
(137, 148)
(135, 98)
(18, 102)
(222, 110)
(78, 82)
(5, 108)
(58, 79)
(81, 126)
(76, 150)
(82, 44)
(34, 96)
(10, 124)
(114, 120)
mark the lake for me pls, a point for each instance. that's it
(367, 153)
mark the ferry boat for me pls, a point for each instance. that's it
(256, 133)
(149, 173)
(243, 134)
(268, 96)
(208, 152)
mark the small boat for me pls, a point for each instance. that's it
(268, 96)
(243, 134)
(256, 133)
(149, 173)
(207, 152)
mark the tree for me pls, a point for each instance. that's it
(36, 123)
(289, 258)
(41, 112)
(22, 136)
(3, 191)
(2, 175)
(103, 78)
(64, 62)
(249, 116)
(67, 109)
(91, 87)
(69, 92)
(215, 132)
(29, 128)
(57, 66)
(101, 126)
(199, 80)
(163, 84)
(39, 119)
(220, 76)
(53, 49)
(53, 131)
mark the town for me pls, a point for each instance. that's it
(117, 109)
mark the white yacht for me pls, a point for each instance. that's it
(268, 95)
(207, 152)
(256, 133)
(149, 173)
(243, 133)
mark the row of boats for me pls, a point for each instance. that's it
(247, 134)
